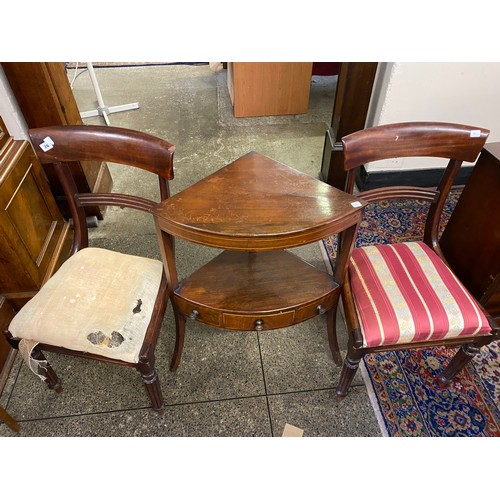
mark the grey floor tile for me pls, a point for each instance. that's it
(144, 245)
(88, 386)
(231, 418)
(299, 358)
(215, 364)
(318, 413)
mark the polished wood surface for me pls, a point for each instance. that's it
(256, 203)
(255, 208)
(45, 98)
(269, 88)
(456, 142)
(262, 284)
(471, 239)
(4, 135)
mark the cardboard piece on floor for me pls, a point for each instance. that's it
(292, 431)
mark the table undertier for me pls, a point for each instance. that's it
(236, 289)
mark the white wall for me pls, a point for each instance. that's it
(9, 110)
(467, 93)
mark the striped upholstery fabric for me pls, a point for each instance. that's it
(404, 293)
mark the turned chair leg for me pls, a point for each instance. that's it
(152, 386)
(349, 368)
(180, 332)
(463, 356)
(331, 321)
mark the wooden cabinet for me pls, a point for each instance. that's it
(34, 237)
(45, 98)
(471, 239)
(269, 88)
(7, 354)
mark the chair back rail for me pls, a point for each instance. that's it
(455, 142)
(68, 144)
(412, 139)
(101, 143)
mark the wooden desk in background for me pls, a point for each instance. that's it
(269, 88)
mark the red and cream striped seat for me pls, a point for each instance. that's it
(404, 295)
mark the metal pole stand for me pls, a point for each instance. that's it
(102, 109)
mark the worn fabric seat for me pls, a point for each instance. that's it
(98, 304)
(87, 308)
(405, 293)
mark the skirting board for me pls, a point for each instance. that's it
(421, 178)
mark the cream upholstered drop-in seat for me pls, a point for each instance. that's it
(404, 291)
(99, 301)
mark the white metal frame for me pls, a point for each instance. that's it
(102, 109)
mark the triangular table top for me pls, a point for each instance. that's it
(257, 203)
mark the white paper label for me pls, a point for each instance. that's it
(47, 144)
(475, 133)
(356, 204)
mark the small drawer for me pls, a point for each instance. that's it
(204, 314)
(319, 306)
(261, 322)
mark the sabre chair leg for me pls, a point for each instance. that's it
(463, 356)
(180, 332)
(331, 321)
(349, 368)
(152, 386)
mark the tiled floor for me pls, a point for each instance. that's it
(228, 383)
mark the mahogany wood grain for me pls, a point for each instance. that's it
(101, 143)
(255, 208)
(111, 144)
(4, 135)
(256, 203)
(246, 286)
(9, 420)
(456, 142)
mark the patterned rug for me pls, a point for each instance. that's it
(401, 385)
